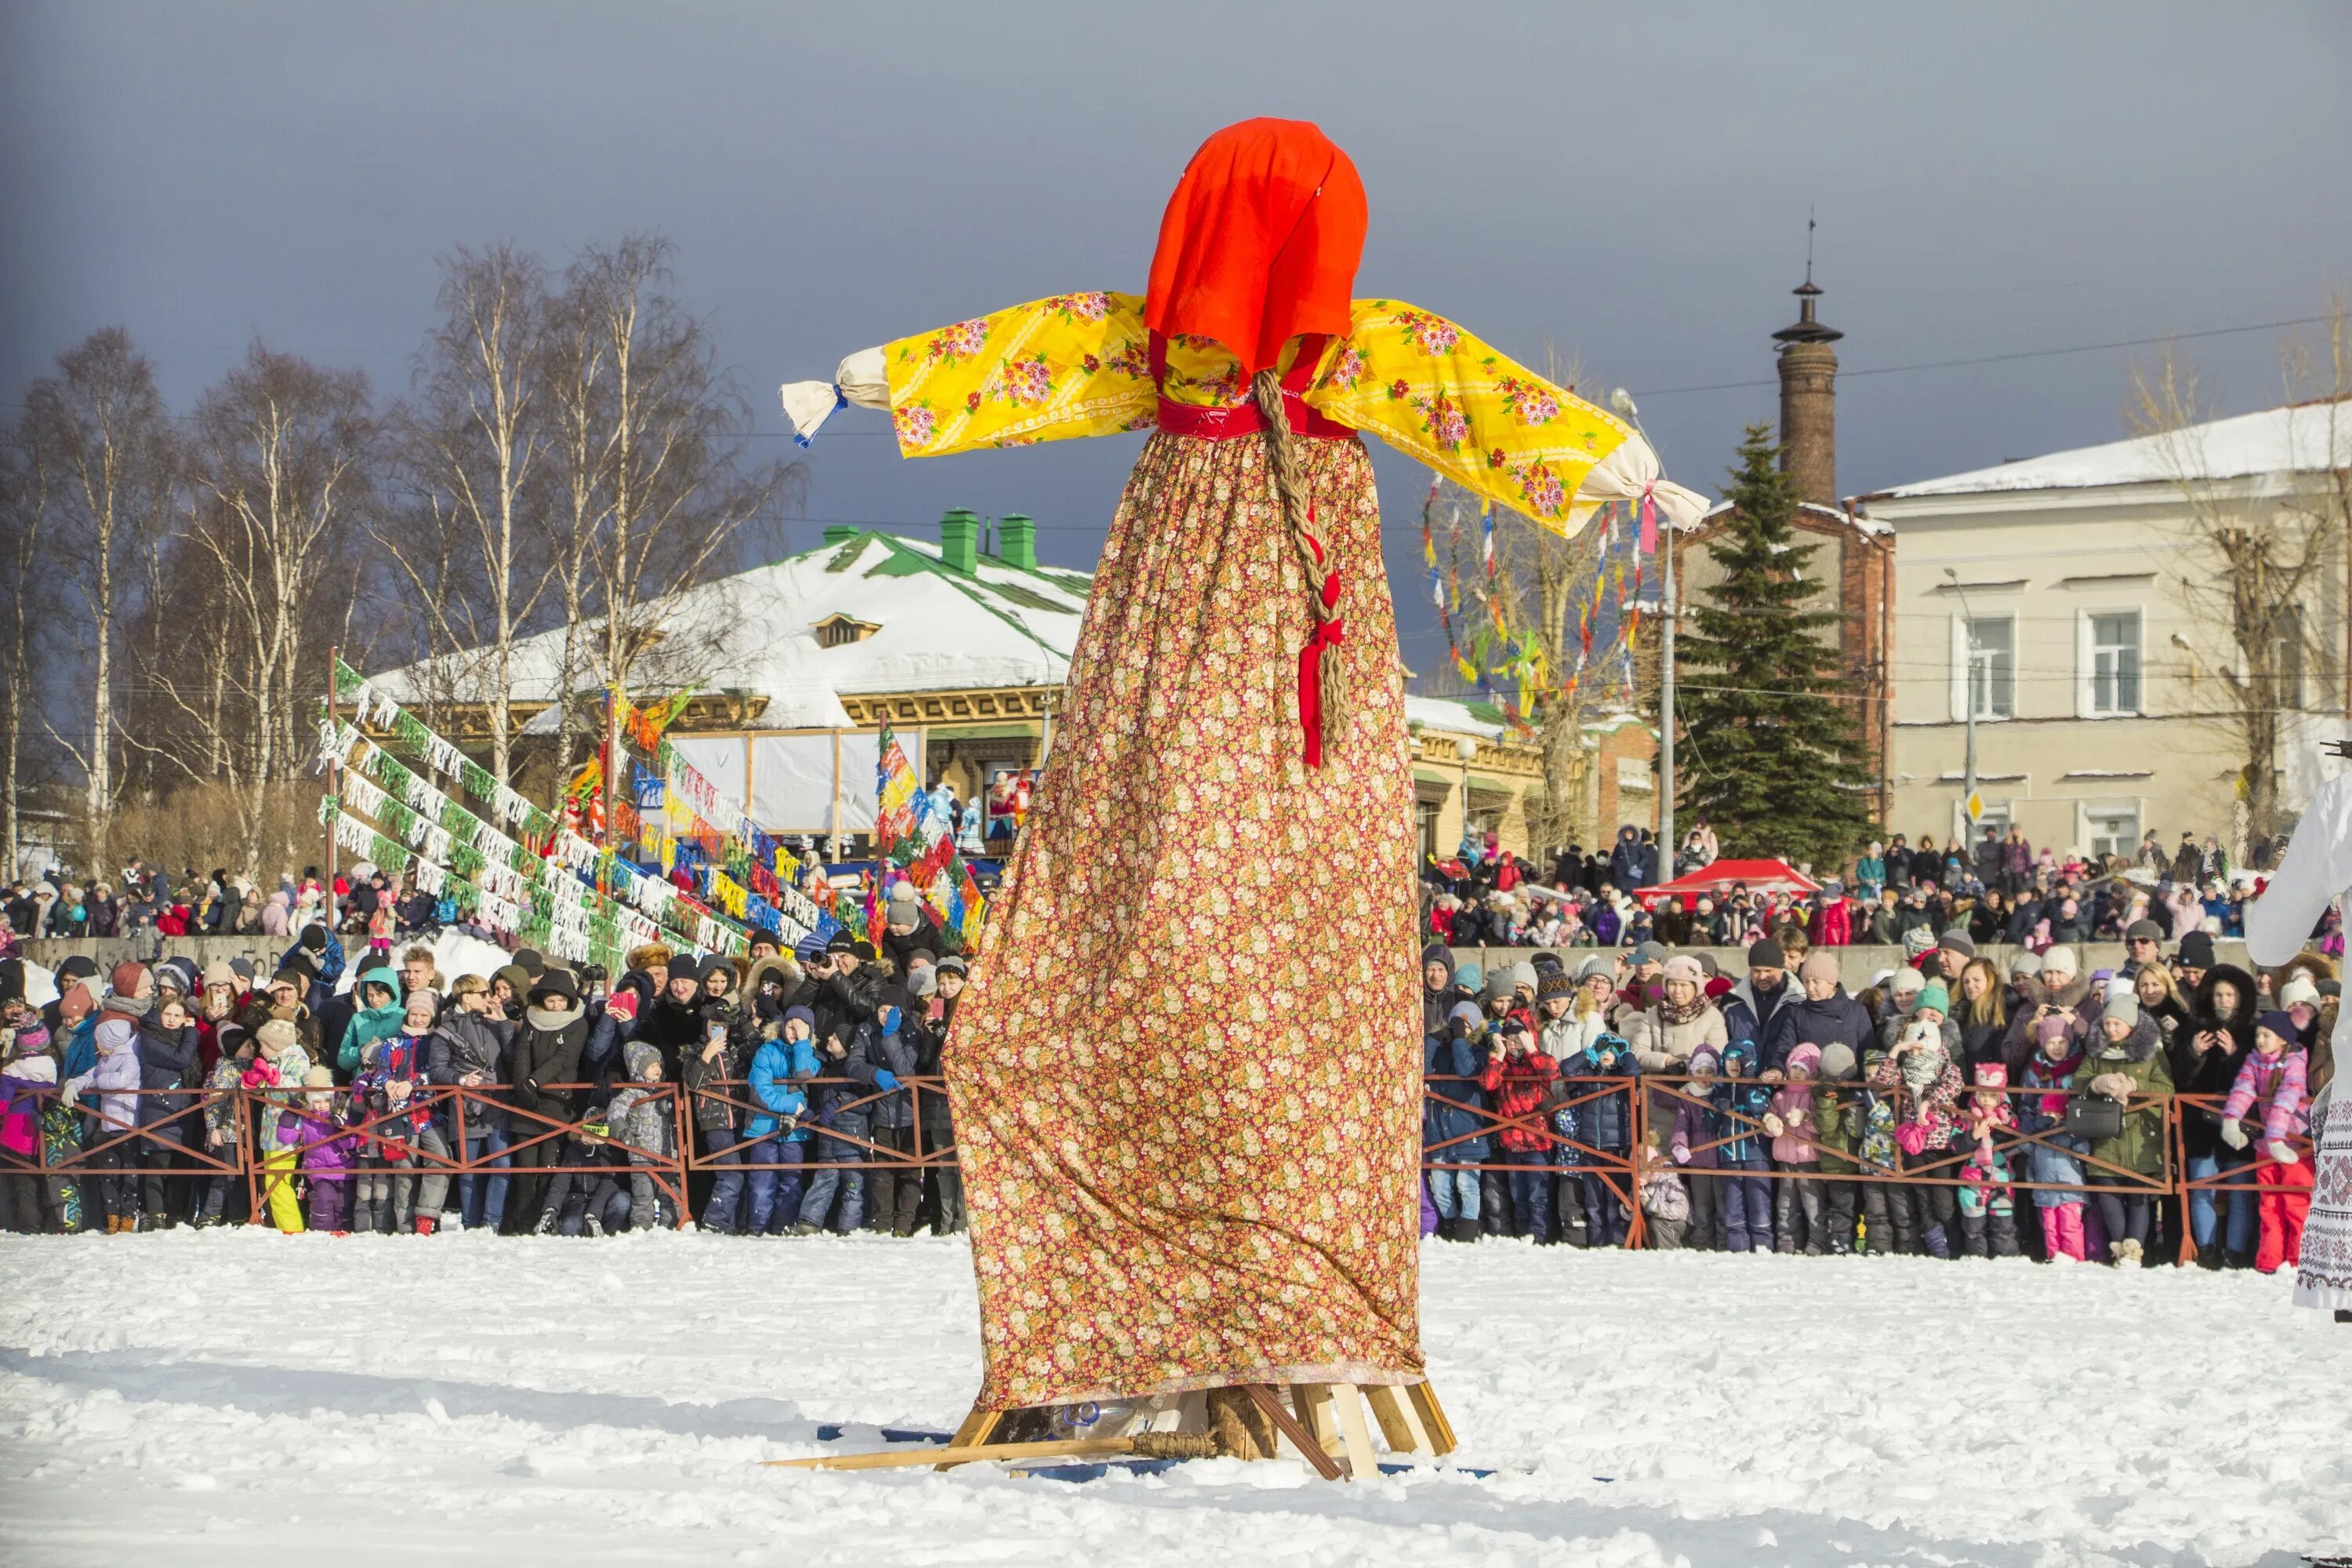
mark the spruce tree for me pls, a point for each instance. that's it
(1771, 759)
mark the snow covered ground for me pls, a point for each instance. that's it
(240, 1397)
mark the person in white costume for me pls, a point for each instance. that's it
(2318, 868)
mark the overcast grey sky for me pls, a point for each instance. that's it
(1625, 186)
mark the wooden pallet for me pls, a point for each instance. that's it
(1324, 1422)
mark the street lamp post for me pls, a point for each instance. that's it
(1622, 402)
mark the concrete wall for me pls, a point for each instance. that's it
(107, 951)
(1857, 964)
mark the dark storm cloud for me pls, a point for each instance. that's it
(1624, 189)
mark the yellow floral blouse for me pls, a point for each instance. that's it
(1078, 364)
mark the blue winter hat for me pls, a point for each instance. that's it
(1471, 976)
(1467, 1012)
(809, 949)
(803, 1014)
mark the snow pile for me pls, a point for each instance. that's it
(240, 1397)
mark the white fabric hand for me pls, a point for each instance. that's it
(2233, 1133)
(863, 379)
(808, 405)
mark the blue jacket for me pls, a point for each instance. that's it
(775, 1072)
(1443, 1056)
(1750, 1098)
(330, 968)
(1800, 1020)
(1746, 1017)
(1606, 1120)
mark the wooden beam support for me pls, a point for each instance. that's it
(963, 1453)
(1401, 1425)
(1287, 1424)
(1355, 1440)
(1433, 1416)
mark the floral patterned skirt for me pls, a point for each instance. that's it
(1187, 1076)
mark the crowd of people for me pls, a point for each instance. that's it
(1770, 1095)
(556, 1086)
(1772, 1111)
(1893, 894)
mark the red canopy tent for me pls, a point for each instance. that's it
(1758, 876)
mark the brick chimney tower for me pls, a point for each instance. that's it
(1809, 397)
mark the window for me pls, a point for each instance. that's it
(2111, 829)
(2115, 662)
(1984, 667)
(2286, 657)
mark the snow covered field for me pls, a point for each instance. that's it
(240, 1397)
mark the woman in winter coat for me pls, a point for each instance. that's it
(711, 1071)
(2126, 1061)
(1683, 1022)
(168, 1059)
(1451, 1135)
(468, 1051)
(2203, 1055)
(1983, 1014)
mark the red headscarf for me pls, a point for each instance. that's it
(1260, 242)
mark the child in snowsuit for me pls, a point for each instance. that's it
(1693, 1147)
(276, 1072)
(1606, 1124)
(1452, 1129)
(2271, 1087)
(221, 1122)
(2053, 1156)
(1920, 1069)
(111, 1121)
(1886, 1207)
(27, 1072)
(325, 1151)
(1665, 1204)
(778, 1140)
(1792, 1125)
(390, 1092)
(1988, 1223)
(1741, 1103)
(640, 1118)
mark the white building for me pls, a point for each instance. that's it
(2078, 602)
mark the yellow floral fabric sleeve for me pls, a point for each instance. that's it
(1427, 387)
(1074, 365)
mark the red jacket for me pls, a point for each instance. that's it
(1517, 1084)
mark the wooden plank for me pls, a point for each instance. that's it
(1284, 1423)
(1313, 1403)
(964, 1454)
(977, 1428)
(1433, 1416)
(1354, 1437)
(1400, 1422)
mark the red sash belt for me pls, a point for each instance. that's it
(1247, 418)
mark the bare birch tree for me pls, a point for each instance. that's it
(23, 511)
(101, 427)
(575, 498)
(283, 450)
(472, 438)
(675, 493)
(2264, 558)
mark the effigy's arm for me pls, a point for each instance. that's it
(1051, 370)
(1489, 424)
(2316, 866)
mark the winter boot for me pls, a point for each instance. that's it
(546, 1226)
(2235, 1259)
(1935, 1242)
(113, 1225)
(594, 1223)
(2126, 1253)
(1467, 1230)
(804, 1227)
(425, 1224)
(2211, 1259)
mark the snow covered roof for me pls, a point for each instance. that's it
(1835, 516)
(1455, 717)
(2301, 437)
(935, 629)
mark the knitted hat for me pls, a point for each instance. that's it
(2197, 951)
(2142, 931)
(952, 963)
(1470, 974)
(1706, 964)
(2024, 961)
(1509, 1026)
(1682, 966)
(2299, 991)
(1933, 994)
(1957, 940)
(842, 942)
(2050, 1029)
(809, 947)
(1650, 952)
(1806, 1058)
(1466, 1013)
(420, 1000)
(1500, 985)
(1908, 982)
(219, 974)
(531, 961)
(1820, 964)
(1599, 965)
(1992, 1074)
(922, 981)
(124, 981)
(1837, 1061)
(314, 936)
(1767, 955)
(803, 1014)
(319, 1077)
(277, 1035)
(1524, 974)
(2123, 1005)
(1554, 983)
(2279, 1023)
(2061, 960)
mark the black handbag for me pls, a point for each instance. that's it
(2095, 1117)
